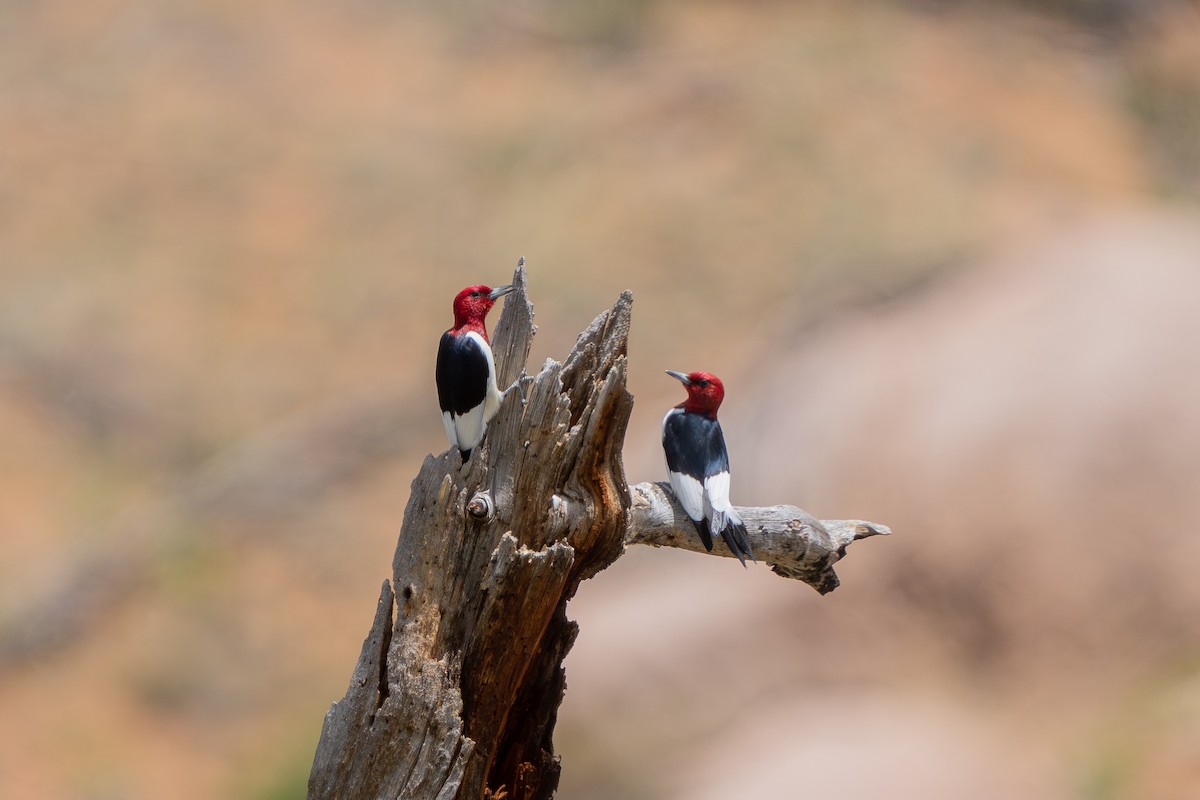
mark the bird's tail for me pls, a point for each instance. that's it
(735, 536)
(705, 536)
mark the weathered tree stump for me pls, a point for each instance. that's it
(458, 685)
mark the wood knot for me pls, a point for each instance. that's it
(480, 506)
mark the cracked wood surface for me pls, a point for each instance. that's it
(794, 543)
(458, 684)
(460, 679)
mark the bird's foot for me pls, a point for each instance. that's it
(520, 384)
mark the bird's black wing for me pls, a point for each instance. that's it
(695, 450)
(694, 445)
(462, 374)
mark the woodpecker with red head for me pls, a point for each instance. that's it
(698, 463)
(466, 371)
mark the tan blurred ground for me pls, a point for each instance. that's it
(947, 262)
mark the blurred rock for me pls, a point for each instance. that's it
(1031, 429)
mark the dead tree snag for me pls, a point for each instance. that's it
(459, 681)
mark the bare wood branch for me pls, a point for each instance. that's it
(461, 696)
(793, 542)
(458, 684)
(514, 332)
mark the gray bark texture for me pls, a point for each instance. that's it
(459, 681)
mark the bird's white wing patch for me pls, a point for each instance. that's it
(451, 432)
(690, 494)
(717, 489)
(469, 428)
(716, 501)
(491, 400)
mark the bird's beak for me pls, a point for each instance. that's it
(499, 292)
(679, 376)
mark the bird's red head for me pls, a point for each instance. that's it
(472, 304)
(705, 392)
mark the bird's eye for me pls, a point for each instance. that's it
(474, 294)
(703, 384)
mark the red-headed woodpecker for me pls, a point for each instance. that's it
(698, 463)
(466, 371)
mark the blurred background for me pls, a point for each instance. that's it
(946, 257)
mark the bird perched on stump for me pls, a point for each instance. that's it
(698, 463)
(466, 371)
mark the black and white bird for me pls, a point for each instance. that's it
(698, 463)
(466, 371)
